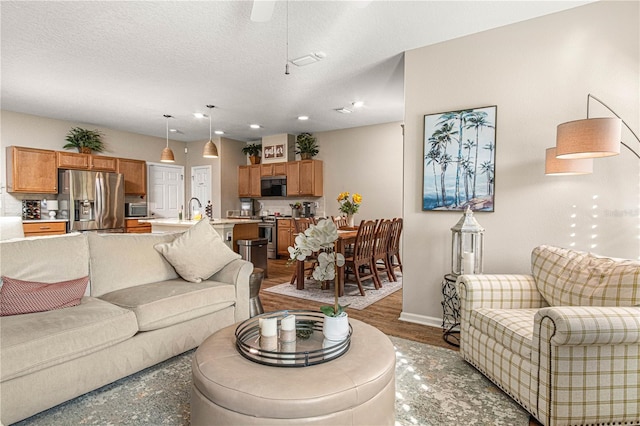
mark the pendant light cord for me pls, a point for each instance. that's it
(286, 66)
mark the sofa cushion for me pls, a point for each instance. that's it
(25, 297)
(513, 328)
(124, 260)
(198, 253)
(567, 277)
(33, 342)
(60, 258)
(162, 304)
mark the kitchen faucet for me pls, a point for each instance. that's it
(189, 207)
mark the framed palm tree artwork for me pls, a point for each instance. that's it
(459, 160)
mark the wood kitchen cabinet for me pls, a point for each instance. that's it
(31, 170)
(286, 229)
(249, 181)
(133, 226)
(35, 229)
(275, 169)
(79, 161)
(135, 176)
(304, 178)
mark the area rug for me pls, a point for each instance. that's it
(434, 387)
(352, 297)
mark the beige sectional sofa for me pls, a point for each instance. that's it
(564, 342)
(137, 312)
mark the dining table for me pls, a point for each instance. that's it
(345, 238)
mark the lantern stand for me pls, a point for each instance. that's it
(467, 246)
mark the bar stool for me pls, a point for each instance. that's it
(255, 281)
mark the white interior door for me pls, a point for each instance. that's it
(201, 184)
(166, 190)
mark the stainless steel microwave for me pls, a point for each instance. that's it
(135, 209)
(273, 186)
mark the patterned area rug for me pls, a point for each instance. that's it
(352, 297)
(434, 387)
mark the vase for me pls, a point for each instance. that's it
(336, 328)
(84, 150)
(350, 220)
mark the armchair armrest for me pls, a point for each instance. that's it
(498, 292)
(237, 273)
(588, 325)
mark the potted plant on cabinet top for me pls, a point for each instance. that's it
(253, 150)
(84, 140)
(321, 239)
(307, 146)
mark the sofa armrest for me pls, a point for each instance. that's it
(237, 273)
(588, 325)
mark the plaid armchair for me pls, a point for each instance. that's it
(563, 342)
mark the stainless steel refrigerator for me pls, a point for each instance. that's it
(94, 200)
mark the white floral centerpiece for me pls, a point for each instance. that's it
(321, 239)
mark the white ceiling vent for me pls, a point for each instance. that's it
(308, 59)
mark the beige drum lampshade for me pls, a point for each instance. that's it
(589, 138)
(556, 166)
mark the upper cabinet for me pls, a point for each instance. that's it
(31, 170)
(274, 169)
(304, 178)
(135, 175)
(249, 181)
(78, 161)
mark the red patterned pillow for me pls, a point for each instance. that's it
(24, 297)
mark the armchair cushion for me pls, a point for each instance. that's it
(572, 278)
(511, 327)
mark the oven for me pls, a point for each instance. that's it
(267, 229)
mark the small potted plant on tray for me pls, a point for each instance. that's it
(84, 140)
(253, 150)
(321, 239)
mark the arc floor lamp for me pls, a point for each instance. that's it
(579, 141)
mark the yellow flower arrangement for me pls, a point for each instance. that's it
(349, 206)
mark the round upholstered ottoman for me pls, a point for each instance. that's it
(358, 388)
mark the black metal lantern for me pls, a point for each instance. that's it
(467, 245)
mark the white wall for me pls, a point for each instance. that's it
(538, 73)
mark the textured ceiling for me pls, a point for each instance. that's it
(122, 65)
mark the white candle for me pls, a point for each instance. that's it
(467, 263)
(269, 327)
(288, 322)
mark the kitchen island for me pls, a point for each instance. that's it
(230, 230)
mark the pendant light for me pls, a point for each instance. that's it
(167, 154)
(210, 150)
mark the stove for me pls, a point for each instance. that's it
(267, 229)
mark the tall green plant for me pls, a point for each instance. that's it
(307, 145)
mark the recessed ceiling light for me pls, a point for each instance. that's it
(357, 104)
(219, 132)
(303, 117)
(199, 115)
(173, 130)
(254, 126)
(343, 110)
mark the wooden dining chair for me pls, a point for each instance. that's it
(381, 250)
(300, 225)
(393, 252)
(363, 255)
(340, 221)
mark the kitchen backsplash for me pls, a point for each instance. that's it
(271, 206)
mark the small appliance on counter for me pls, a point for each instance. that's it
(135, 209)
(308, 209)
(249, 207)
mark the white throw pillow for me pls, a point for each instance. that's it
(198, 253)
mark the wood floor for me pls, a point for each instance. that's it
(383, 314)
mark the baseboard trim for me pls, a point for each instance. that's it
(421, 319)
